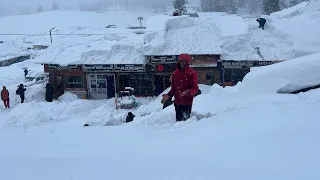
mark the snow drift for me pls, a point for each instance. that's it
(286, 76)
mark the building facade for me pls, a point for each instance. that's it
(104, 81)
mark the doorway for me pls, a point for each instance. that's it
(101, 86)
(161, 83)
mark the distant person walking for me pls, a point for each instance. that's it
(262, 22)
(184, 87)
(20, 91)
(5, 97)
(25, 72)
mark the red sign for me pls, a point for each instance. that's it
(160, 68)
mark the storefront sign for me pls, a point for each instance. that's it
(237, 64)
(204, 63)
(265, 63)
(68, 67)
(129, 68)
(97, 67)
(163, 59)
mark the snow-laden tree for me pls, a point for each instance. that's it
(270, 6)
(180, 5)
(40, 8)
(55, 6)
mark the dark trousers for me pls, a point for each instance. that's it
(182, 112)
(261, 25)
(22, 98)
(6, 103)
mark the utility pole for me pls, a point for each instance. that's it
(51, 35)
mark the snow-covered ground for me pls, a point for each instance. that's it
(243, 132)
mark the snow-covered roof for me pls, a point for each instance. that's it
(272, 44)
(8, 51)
(114, 46)
(182, 34)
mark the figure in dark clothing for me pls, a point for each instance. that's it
(5, 97)
(262, 22)
(20, 91)
(49, 92)
(130, 117)
(184, 87)
(25, 72)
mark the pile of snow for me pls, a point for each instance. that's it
(286, 76)
(273, 44)
(290, 12)
(229, 25)
(184, 34)
(68, 97)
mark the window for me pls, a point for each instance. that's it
(142, 84)
(74, 82)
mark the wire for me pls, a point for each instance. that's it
(69, 34)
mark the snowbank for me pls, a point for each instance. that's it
(303, 28)
(184, 34)
(290, 12)
(286, 76)
(215, 145)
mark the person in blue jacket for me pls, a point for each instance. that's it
(262, 22)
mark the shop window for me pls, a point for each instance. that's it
(74, 82)
(142, 84)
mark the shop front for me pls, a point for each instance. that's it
(207, 68)
(68, 78)
(234, 71)
(101, 80)
(135, 76)
(161, 68)
(105, 80)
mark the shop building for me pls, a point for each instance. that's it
(99, 81)
(234, 71)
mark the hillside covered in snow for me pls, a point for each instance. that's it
(248, 132)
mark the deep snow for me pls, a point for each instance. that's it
(243, 132)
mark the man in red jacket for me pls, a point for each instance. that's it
(184, 87)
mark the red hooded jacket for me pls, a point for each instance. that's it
(4, 94)
(182, 81)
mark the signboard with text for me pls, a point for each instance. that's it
(163, 59)
(237, 64)
(59, 67)
(97, 67)
(129, 68)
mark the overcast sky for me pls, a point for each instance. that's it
(11, 7)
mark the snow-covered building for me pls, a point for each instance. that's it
(223, 47)
(96, 68)
(168, 36)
